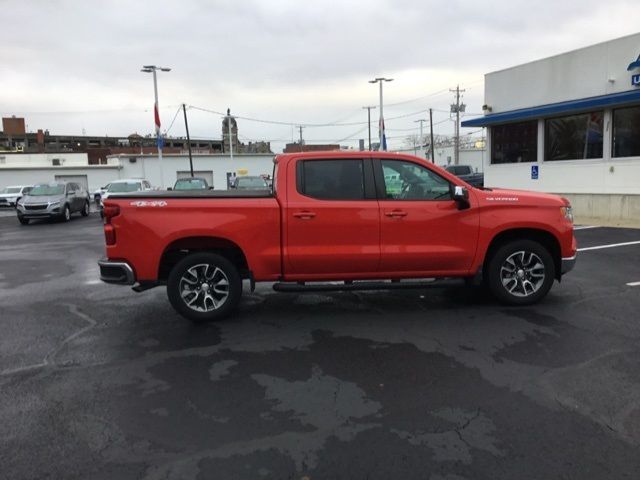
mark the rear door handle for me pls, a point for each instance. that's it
(396, 213)
(304, 215)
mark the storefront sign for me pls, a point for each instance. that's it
(635, 79)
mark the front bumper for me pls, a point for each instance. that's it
(39, 211)
(117, 272)
(8, 202)
(567, 264)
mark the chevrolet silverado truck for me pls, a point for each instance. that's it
(337, 221)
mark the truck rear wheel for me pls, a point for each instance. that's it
(204, 287)
(520, 272)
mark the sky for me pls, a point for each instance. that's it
(73, 66)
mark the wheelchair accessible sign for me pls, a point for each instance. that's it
(534, 172)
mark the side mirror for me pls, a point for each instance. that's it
(461, 197)
(169, 188)
(211, 187)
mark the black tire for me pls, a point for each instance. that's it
(23, 221)
(65, 216)
(530, 283)
(86, 209)
(179, 275)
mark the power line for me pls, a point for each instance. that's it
(303, 124)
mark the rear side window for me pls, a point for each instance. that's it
(331, 179)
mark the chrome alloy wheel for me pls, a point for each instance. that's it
(522, 274)
(204, 288)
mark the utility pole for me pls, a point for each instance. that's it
(156, 114)
(457, 108)
(381, 133)
(421, 121)
(229, 117)
(186, 126)
(369, 108)
(300, 127)
(433, 151)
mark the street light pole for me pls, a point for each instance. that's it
(156, 113)
(369, 121)
(381, 133)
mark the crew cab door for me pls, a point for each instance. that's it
(423, 231)
(331, 218)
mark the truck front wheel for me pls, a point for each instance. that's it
(520, 272)
(204, 287)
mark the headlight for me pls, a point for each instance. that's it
(20, 203)
(567, 212)
(54, 204)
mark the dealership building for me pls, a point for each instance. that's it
(569, 124)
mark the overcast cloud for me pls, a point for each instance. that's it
(74, 65)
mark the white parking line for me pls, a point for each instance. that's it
(611, 245)
(585, 227)
(633, 284)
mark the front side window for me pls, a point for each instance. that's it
(514, 142)
(574, 137)
(331, 179)
(10, 190)
(626, 132)
(409, 181)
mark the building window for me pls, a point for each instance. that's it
(514, 142)
(574, 137)
(626, 132)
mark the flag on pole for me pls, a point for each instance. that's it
(156, 115)
(383, 136)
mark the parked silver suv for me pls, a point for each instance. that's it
(53, 200)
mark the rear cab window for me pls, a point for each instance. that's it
(335, 179)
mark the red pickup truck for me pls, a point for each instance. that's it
(341, 220)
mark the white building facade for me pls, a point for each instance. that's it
(29, 169)
(569, 124)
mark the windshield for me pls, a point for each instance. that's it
(45, 190)
(122, 187)
(10, 190)
(190, 184)
(251, 182)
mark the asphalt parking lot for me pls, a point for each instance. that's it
(97, 381)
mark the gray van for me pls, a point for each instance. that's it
(53, 200)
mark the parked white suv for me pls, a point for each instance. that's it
(9, 196)
(124, 186)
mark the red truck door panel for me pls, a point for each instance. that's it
(421, 227)
(332, 218)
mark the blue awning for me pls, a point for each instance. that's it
(612, 100)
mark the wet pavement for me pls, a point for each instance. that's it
(97, 381)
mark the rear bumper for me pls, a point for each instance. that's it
(567, 264)
(116, 272)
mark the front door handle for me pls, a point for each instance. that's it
(304, 215)
(396, 214)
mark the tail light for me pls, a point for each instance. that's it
(109, 211)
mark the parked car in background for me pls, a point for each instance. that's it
(126, 185)
(466, 173)
(97, 194)
(54, 200)
(9, 196)
(191, 183)
(250, 182)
